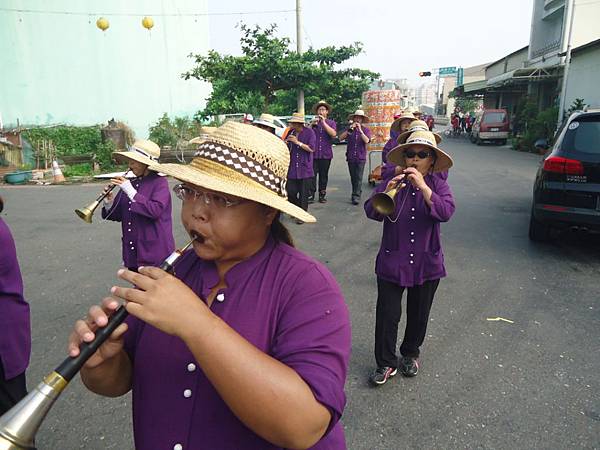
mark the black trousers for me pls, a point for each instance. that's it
(11, 391)
(321, 169)
(297, 190)
(387, 317)
(356, 170)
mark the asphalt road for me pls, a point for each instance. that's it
(483, 384)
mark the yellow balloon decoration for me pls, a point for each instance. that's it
(102, 23)
(147, 22)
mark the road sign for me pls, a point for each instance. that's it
(460, 76)
(447, 70)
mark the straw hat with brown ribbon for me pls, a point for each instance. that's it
(321, 103)
(296, 118)
(416, 125)
(360, 113)
(443, 161)
(142, 150)
(404, 116)
(244, 161)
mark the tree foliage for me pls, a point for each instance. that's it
(174, 132)
(269, 73)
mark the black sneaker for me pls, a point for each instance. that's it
(381, 375)
(322, 196)
(409, 367)
(355, 201)
(311, 198)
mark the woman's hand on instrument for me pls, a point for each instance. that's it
(293, 140)
(108, 194)
(415, 177)
(84, 329)
(397, 180)
(161, 300)
(118, 180)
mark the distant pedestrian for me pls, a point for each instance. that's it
(325, 130)
(301, 143)
(410, 257)
(358, 136)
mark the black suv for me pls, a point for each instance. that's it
(566, 193)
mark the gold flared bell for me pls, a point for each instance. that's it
(384, 202)
(87, 212)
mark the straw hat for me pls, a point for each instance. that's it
(296, 118)
(244, 161)
(404, 116)
(358, 112)
(416, 125)
(144, 151)
(267, 120)
(321, 103)
(443, 161)
(205, 133)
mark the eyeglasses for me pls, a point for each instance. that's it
(188, 194)
(422, 154)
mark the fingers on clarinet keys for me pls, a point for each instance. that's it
(84, 328)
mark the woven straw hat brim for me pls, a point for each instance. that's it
(396, 123)
(442, 163)
(265, 123)
(402, 137)
(216, 177)
(296, 120)
(125, 156)
(325, 104)
(351, 116)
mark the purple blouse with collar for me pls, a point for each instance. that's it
(15, 328)
(280, 300)
(145, 221)
(356, 149)
(323, 141)
(411, 248)
(301, 161)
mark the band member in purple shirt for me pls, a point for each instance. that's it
(247, 346)
(400, 124)
(325, 130)
(358, 136)
(15, 330)
(143, 206)
(410, 257)
(301, 143)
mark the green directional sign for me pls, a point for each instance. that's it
(447, 70)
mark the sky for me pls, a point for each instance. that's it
(400, 38)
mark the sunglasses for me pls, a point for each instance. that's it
(422, 154)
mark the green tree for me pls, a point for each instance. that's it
(268, 74)
(173, 132)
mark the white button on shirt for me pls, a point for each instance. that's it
(187, 393)
(178, 447)
(191, 367)
(412, 233)
(220, 297)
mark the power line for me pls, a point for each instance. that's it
(87, 14)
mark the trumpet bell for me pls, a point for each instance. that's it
(86, 213)
(384, 202)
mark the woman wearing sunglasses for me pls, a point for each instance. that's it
(410, 257)
(247, 347)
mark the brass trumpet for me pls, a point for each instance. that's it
(87, 212)
(385, 202)
(19, 424)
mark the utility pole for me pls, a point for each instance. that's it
(569, 14)
(299, 49)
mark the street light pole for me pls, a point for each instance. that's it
(570, 13)
(299, 49)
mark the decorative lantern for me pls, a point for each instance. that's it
(147, 23)
(102, 23)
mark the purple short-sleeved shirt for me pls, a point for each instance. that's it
(323, 142)
(145, 221)
(301, 161)
(284, 303)
(411, 248)
(356, 149)
(390, 144)
(15, 329)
